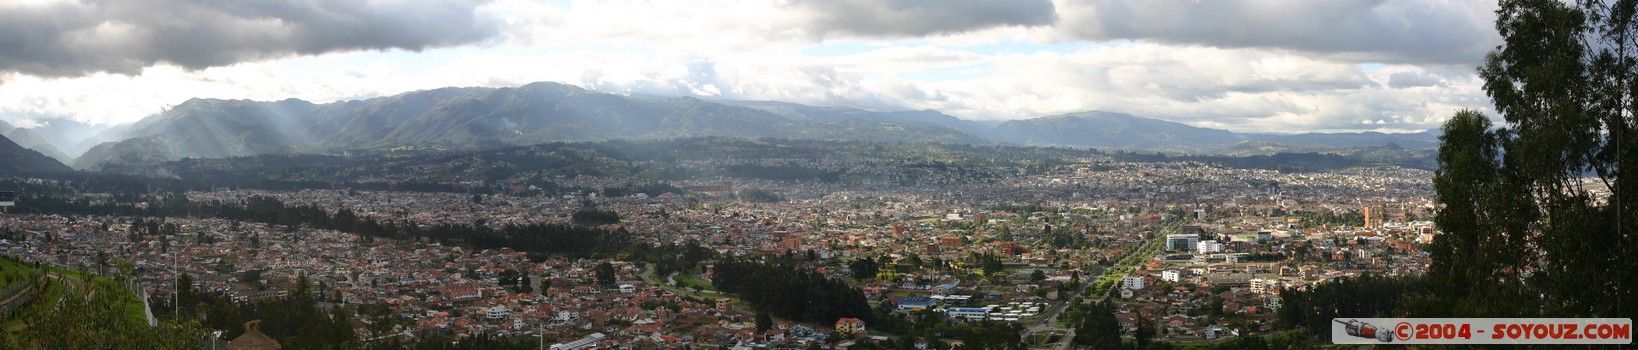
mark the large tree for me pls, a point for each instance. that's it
(1537, 214)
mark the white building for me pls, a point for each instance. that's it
(1182, 242)
(497, 312)
(970, 313)
(1208, 247)
(1261, 285)
(583, 343)
(1132, 282)
(1173, 276)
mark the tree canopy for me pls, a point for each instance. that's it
(1536, 213)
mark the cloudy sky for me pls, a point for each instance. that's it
(1243, 65)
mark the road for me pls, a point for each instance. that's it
(1052, 314)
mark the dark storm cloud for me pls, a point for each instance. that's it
(910, 18)
(124, 36)
(1387, 31)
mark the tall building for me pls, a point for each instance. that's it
(1368, 223)
(1373, 216)
(1132, 282)
(1182, 242)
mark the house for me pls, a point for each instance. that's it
(849, 325)
(498, 312)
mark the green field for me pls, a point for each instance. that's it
(689, 281)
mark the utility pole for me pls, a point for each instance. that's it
(176, 281)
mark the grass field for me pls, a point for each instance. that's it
(690, 281)
(701, 295)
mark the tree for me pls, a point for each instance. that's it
(1145, 331)
(1517, 198)
(594, 217)
(1099, 329)
(185, 296)
(224, 316)
(1476, 261)
(605, 274)
(764, 322)
(92, 316)
(864, 268)
(1037, 276)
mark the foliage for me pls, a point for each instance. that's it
(605, 274)
(757, 195)
(764, 322)
(1363, 297)
(781, 173)
(481, 341)
(594, 217)
(92, 316)
(987, 262)
(783, 289)
(1346, 218)
(1098, 327)
(864, 268)
(1518, 198)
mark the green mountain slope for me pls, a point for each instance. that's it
(467, 118)
(16, 160)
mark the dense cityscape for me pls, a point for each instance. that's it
(1198, 251)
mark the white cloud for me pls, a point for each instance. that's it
(1011, 68)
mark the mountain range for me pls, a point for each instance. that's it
(18, 160)
(472, 118)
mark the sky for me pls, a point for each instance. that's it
(1242, 65)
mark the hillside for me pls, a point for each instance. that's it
(467, 118)
(16, 160)
(30, 139)
(835, 114)
(483, 118)
(1111, 130)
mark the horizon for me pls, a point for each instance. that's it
(43, 122)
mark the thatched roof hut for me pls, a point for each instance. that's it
(253, 339)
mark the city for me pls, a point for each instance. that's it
(1202, 250)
